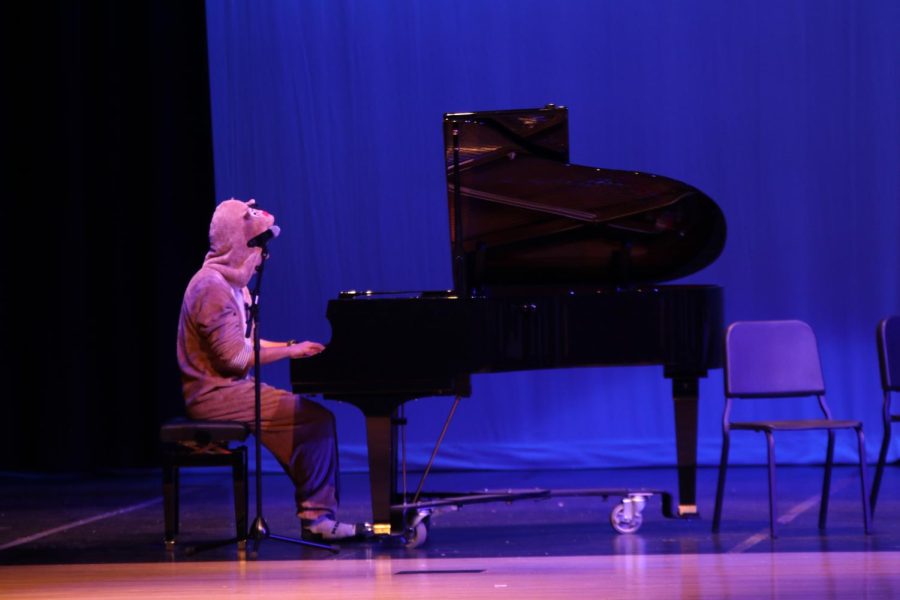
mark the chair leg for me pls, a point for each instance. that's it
(879, 469)
(826, 480)
(720, 486)
(860, 440)
(170, 501)
(770, 443)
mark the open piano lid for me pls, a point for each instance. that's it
(521, 215)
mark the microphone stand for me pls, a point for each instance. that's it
(259, 530)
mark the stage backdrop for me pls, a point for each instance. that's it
(785, 113)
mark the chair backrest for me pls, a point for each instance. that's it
(770, 359)
(888, 337)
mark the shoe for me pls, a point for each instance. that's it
(326, 529)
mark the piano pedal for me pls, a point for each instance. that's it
(414, 532)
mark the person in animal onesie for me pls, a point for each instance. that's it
(216, 358)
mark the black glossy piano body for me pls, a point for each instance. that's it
(555, 266)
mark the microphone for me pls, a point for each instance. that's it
(263, 238)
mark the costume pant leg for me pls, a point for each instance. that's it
(299, 432)
(302, 435)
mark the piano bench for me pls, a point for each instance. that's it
(189, 443)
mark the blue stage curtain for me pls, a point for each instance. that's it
(328, 112)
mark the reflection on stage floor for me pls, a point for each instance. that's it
(109, 518)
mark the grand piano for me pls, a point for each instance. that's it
(555, 265)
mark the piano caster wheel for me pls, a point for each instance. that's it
(626, 517)
(417, 532)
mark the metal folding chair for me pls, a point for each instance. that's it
(887, 336)
(779, 359)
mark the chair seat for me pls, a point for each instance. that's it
(203, 432)
(796, 425)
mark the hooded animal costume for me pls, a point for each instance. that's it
(216, 356)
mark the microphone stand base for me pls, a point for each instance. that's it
(259, 531)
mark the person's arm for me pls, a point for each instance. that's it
(272, 351)
(223, 327)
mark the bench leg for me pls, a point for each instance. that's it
(170, 502)
(239, 475)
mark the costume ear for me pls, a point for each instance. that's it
(253, 210)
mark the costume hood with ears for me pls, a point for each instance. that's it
(233, 224)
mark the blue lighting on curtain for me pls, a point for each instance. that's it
(785, 113)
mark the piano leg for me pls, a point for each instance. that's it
(381, 434)
(685, 394)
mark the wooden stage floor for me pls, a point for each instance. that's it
(100, 536)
